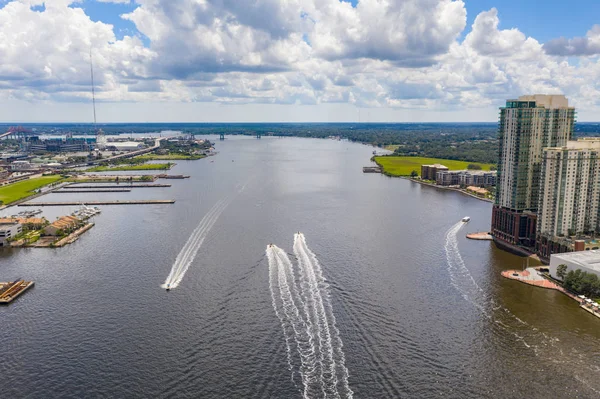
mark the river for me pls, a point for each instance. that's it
(421, 311)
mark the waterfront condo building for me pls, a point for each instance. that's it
(569, 200)
(527, 126)
(428, 172)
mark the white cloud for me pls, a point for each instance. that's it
(382, 54)
(588, 45)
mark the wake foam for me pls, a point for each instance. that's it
(312, 339)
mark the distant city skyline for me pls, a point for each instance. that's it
(297, 61)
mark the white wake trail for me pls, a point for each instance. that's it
(286, 302)
(315, 292)
(190, 249)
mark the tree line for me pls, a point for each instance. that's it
(578, 281)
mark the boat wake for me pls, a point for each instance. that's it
(303, 306)
(190, 249)
(462, 279)
(531, 337)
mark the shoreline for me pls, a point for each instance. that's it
(532, 276)
(459, 190)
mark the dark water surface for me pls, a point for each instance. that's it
(418, 316)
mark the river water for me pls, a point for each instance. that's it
(406, 307)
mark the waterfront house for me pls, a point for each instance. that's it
(64, 224)
(27, 223)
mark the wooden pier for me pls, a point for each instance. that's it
(165, 176)
(119, 185)
(116, 190)
(10, 291)
(91, 203)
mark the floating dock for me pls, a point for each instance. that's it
(119, 185)
(372, 169)
(10, 291)
(77, 203)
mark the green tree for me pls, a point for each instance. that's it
(473, 166)
(561, 271)
(414, 174)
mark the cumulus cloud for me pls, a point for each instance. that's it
(380, 53)
(578, 46)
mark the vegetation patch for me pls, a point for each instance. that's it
(169, 157)
(22, 189)
(404, 166)
(392, 147)
(146, 166)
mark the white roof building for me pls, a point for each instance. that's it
(587, 261)
(126, 145)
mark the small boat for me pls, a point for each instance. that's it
(466, 219)
(168, 287)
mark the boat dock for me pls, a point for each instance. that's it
(116, 190)
(121, 185)
(372, 169)
(10, 291)
(164, 176)
(77, 203)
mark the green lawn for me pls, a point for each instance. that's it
(16, 191)
(169, 157)
(403, 166)
(146, 166)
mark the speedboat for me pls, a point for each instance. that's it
(168, 287)
(466, 219)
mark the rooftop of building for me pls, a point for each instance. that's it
(437, 166)
(584, 143)
(587, 259)
(23, 220)
(65, 221)
(549, 101)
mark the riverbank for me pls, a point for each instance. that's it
(125, 168)
(460, 190)
(532, 276)
(170, 157)
(74, 236)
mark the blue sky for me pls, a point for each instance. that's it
(544, 20)
(269, 60)
(110, 13)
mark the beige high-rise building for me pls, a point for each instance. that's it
(569, 194)
(527, 126)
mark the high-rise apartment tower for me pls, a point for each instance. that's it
(527, 126)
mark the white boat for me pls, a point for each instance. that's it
(466, 219)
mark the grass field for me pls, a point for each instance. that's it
(146, 166)
(403, 166)
(16, 191)
(169, 157)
